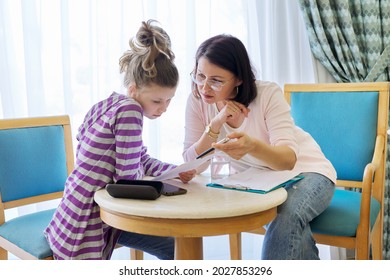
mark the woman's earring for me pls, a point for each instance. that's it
(236, 89)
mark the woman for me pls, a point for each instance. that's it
(110, 148)
(227, 101)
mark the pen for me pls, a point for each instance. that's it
(223, 141)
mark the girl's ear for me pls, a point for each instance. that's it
(132, 90)
(238, 82)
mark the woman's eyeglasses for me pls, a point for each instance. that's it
(201, 79)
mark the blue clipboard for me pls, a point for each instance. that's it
(246, 189)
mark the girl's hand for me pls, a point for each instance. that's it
(187, 176)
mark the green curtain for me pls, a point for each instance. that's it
(351, 39)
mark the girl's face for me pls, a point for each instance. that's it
(214, 83)
(153, 99)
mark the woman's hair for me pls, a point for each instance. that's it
(149, 59)
(229, 53)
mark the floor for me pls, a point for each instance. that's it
(217, 248)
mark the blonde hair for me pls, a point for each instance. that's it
(150, 58)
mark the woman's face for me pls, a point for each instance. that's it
(215, 83)
(153, 99)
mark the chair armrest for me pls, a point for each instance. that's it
(368, 179)
(378, 151)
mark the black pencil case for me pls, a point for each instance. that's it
(136, 189)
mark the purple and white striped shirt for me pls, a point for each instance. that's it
(110, 148)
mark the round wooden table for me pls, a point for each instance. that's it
(202, 211)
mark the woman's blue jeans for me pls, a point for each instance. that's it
(289, 236)
(160, 247)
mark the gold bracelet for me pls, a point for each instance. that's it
(211, 133)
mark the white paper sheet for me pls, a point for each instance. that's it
(174, 173)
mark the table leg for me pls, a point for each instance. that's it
(188, 248)
(235, 246)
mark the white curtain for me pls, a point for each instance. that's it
(61, 56)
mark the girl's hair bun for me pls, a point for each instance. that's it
(149, 55)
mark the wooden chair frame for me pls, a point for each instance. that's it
(5, 245)
(372, 185)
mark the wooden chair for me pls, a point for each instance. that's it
(349, 121)
(36, 157)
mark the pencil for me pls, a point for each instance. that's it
(223, 141)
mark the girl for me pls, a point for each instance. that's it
(110, 148)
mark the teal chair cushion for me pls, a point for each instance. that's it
(342, 216)
(26, 232)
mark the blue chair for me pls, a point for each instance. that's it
(36, 157)
(349, 121)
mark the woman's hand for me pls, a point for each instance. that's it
(187, 176)
(242, 145)
(231, 111)
(276, 157)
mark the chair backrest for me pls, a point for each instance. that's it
(36, 156)
(345, 120)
